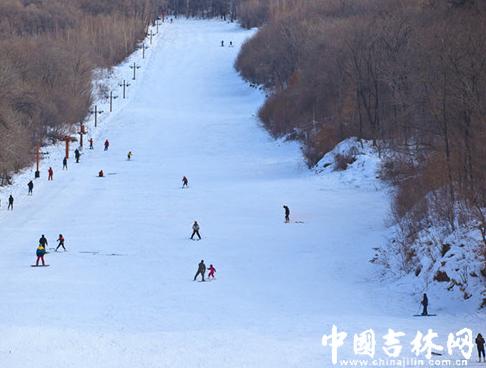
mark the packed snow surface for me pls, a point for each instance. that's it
(123, 294)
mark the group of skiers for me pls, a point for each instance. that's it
(479, 338)
(230, 43)
(41, 250)
(77, 156)
(201, 270)
(50, 171)
(195, 232)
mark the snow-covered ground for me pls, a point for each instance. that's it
(124, 296)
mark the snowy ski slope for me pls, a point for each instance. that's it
(123, 294)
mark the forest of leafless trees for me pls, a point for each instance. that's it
(49, 51)
(410, 76)
(225, 9)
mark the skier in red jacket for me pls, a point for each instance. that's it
(61, 242)
(212, 270)
(50, 174)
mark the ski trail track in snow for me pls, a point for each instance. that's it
(278, 287)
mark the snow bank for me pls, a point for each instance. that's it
(362, 171)
(444, 263)
(447, 265)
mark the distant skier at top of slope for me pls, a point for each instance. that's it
(195, 230)
(287, 214)
(201, 270)
(185, 182)
(222, 43)
(129, 155)
(107, 144)
(425, 304)
(91, 143)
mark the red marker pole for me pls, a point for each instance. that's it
(81, 133)
(67, 139)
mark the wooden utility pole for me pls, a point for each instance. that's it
(96, 112)
(81, 133)
(111, 97)
(124, 85)
(151, 34)
(134, 66)
(143, 50)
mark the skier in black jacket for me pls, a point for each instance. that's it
(201, 270)
(43, 241)
(77, 155)
(287, 214)
(425, 304)
(30, 185)
(480, 345)
(10, 202)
